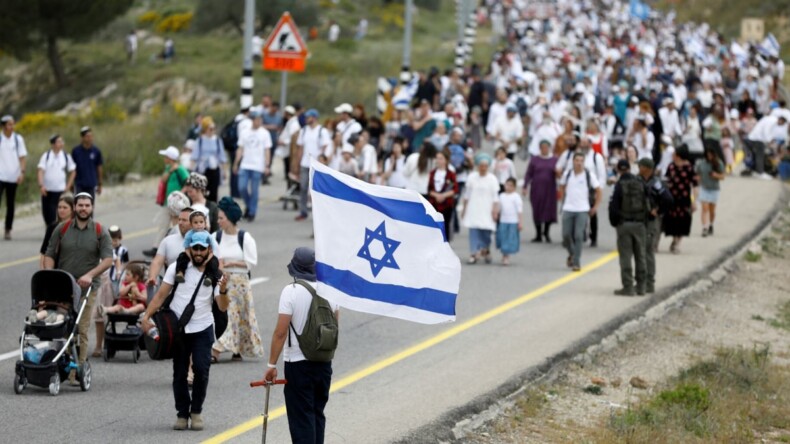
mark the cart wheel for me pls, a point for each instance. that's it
(135, 355)
(19, 384)
(85, 375)
(54, 385)
(110, 354)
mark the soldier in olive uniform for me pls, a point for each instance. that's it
(659, 200)
(628, 212)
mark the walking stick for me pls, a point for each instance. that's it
(268, 385)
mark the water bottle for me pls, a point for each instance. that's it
(154, 334)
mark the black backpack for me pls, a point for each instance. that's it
(634, 205)
(318, 340)
(230, 135)
(170, 326)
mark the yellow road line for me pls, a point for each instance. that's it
(30, 259)
(421, 346)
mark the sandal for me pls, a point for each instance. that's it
(472, 260)
(214, 360)
(236, 357)
(96, 354)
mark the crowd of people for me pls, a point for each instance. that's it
(589, 97)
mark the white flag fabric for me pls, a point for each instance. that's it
(381, 250)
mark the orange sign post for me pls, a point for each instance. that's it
(285, 50)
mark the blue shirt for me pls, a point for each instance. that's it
(208, 154)
(87, 161)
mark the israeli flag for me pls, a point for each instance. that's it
(406, 92)
(381, 250)
(769, 46)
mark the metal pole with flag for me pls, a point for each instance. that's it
(381, 250)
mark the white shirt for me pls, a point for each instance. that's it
(202, 318)
(396, 179)
(255, 142)
(509, 130)
(368, 160)
(480, 194)
(644, 145)
(511, 206)
(313, 142)
(11, 149)
(416, 181)
(295, 301)
(503, 170)
(171, 246)
(593, 162)
(231, 251)
(546, 131)
(577, 192)
(244, 124)
(348, 128)
(670, 122)
(56, 167)
(495, 112)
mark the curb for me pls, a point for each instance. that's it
(455, 424)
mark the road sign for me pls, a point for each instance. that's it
(285, 50)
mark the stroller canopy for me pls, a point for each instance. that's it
(55, 286)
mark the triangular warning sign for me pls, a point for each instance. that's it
(285, 40)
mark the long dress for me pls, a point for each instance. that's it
(242, 336)
(680, 181)
(543, 192)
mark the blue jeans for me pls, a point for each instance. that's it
(479, 239)
(304, 189)
(198, 346)
(249, 184)
(306, 395)
(573, 226)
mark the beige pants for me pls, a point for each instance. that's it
(84, 328)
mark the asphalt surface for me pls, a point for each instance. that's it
(391, 377)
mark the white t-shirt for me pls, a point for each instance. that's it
(295, 301)
(11, 149)
(348, 128)
(481, 193)
(284, 139)
(511, 206)
(510, 130)
(55, 167)
(244, 124)
(577, 192)
(255, 142)
(396, 179)
(202, 317)
(313, 142)
(368, 160)
(231, 251)
(504, 169)
(171, 246)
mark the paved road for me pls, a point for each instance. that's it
(391, 377)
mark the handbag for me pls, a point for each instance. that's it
(170, 326)
(160, 193)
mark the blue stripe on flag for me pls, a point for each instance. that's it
(428, 299)
(402, 210)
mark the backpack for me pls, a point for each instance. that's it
(230, 134)
(590, 189)
(318, 340)
(634, 203)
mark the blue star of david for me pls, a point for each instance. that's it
(390, 245)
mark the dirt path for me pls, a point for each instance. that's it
(742, 309)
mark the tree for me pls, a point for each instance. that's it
(27, 25)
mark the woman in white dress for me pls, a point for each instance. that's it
(481, 206)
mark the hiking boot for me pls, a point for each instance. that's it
(650, 289)
(7, 235)
(625, 292)
(640, 291)
(180, 277)
(197, 421)
(181, 424)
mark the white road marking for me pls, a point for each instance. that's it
(15, 353)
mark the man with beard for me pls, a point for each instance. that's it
(198, 335)
(83, 248)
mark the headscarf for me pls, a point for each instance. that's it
(197, 181)
(231, 209)
(482, 157)
(177, 201)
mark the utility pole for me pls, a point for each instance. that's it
(407, 19)
(246, 65)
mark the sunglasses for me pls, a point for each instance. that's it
(199, 248)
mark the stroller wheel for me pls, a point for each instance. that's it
(54, 385)
(19, 384)
(85, 375)
(135, 355)
(105, 354)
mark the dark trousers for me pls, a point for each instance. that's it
(631, 240)
(212, 188)
(306, 395)
(448, 222)
(594, 228)
(198, 347)
(456, 227)
(10, 196)
(234, 177)
(49, 206)
(757, 150)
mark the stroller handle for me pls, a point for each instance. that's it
(264, 382)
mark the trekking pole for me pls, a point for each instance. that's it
(268, 385)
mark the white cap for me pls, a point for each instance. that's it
(344, 108)
(171, 153)
(190, 144)
(347, 148)
(290, 109)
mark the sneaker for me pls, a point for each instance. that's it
(181, 424)
(704, 232)
(197, 421)
(710, 230)
(625, 292)
(300, 218)
(765, 176)
(7, 235)
(576, 268)
(207, 282)
(73, 378)
(180, 277)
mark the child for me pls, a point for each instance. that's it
(132, 296)
(347, 164)
(120, 257)
(504, 168)
(726, 148)
(510, 221)
(198, 221)
(46, 315)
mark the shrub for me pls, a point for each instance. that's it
(175, 23)
(149, 18)
(38, 121)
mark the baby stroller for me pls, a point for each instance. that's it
(131, 337)
(47, 366)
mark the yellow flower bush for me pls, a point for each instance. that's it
(149, 18)
(174, 23)
(38, 121)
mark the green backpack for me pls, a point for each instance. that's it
(634, 206)
(318, 340)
